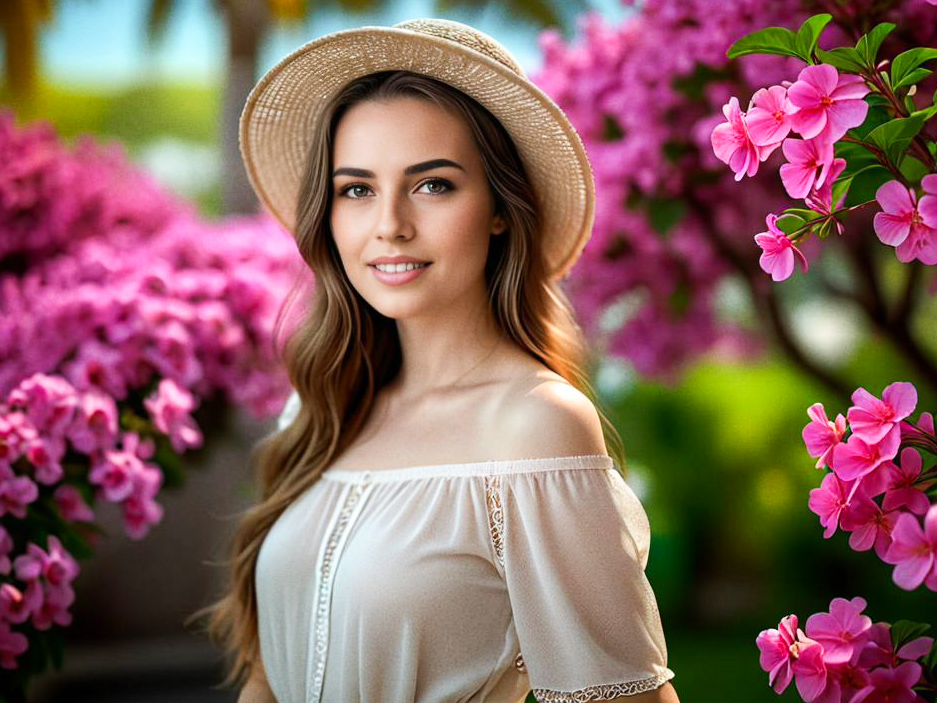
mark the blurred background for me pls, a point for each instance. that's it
(706, 367)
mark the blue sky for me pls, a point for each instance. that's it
(103, 42)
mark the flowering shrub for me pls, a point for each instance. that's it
(843, 656)
(120, 313)
(862, 142)
(672, 226)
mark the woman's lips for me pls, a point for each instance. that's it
(397, 279)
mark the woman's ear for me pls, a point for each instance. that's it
(498, 225)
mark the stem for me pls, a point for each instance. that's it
(917, 144)
(764, 296)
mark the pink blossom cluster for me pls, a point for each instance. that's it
(820, 106)
(631, 91)
(36, 586)
(46, 423)
(906, 223)
(52, 197)
(842, 657)
(873, 491)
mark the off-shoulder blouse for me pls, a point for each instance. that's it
(461, 583)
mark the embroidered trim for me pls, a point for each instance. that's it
(605, 692)
(495, 515)
(327, 560)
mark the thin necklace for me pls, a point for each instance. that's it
(487, 356)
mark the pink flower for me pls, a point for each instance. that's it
(54, 608)
(6, 546)
(821, 435)
(113, 472)
(870, 525)
(901, 492)
(778, 651)
(71, 504)
(821, 198)
(902, 225)
(871, 419)
(733, 144)
(880, 649)
(95, 425)
(12, 644)
(49, 401)
(913, 551)
(843, 682)
(810, 670)
(856, 458)
(828, 105)
(829, 501)
(778, 252)
(60, 567)
(16, 607)
(891, 685)
(16, 492)
(45, 453)
(169, 408)
(841, 631)
(768, 119)
(799, 175)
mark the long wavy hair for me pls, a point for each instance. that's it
(343, 351)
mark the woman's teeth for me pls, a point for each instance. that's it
(397, 268)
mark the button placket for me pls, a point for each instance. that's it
(331, 552)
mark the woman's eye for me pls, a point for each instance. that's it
(437, 185)
(356, 189)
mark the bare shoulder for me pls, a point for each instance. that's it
(543, 415)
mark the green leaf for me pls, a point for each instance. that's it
(873, 118)
(904, 631)
(805, 41)
(868, 44)
(788, 223)
(770, 40)
(904, 64)
(930, 661)
(803, 213)
(912, 169)
(824, 230)
(857, 157)
(844, 58)
(664, 213)
(865, 183)
(840, 186)
(918, 74)
(894, 136)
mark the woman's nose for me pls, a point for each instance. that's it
(393, 219)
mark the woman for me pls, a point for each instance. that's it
(440, 520)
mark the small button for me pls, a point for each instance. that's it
(366, 477)
(519, 663)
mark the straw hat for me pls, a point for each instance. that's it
(288, 102)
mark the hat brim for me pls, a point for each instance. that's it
(289, 101)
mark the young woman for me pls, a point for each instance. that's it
(440, 519)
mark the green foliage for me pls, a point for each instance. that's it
(844, 58)
(789, 223)
(904, 631)
(904, 67)
(664, 213)
(894, 136)
(779, 40)
(868, 44)
(865, 183)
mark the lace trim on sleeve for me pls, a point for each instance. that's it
(605, 692)
(495, 515)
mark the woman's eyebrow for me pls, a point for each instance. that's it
(408, 171)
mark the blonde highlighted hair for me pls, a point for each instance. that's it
(343, 351)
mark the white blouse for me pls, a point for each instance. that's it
(460, 583)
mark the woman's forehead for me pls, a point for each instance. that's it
(401, 131)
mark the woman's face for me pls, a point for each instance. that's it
(408, 181)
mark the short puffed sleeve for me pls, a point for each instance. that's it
(289, 412)
(574, 548)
